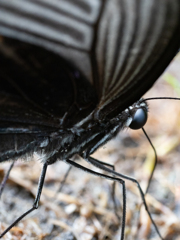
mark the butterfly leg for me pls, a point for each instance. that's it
(113, 188)
(72, 163)
(36, 201)
(100, 166)
(113, 185)
(6, 176)
(64, 179)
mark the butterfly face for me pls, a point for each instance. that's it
(72, 74)
(139, 118)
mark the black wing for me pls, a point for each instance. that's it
(121, 46)
(38, 87)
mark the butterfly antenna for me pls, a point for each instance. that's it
(154, 166)
(155, 163)
(156, 98)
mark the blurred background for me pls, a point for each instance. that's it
(83, 210)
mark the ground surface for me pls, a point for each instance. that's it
(84, 209)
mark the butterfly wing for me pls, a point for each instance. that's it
(135, 47)
(40, 94)
(39, 87)
(65, 27)
(121, 46)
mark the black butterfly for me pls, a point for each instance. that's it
(72, 74)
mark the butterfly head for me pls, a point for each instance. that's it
(139, 114)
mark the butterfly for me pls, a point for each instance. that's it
(72, 74)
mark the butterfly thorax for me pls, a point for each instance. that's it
(84, 141)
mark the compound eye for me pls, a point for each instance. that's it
(139, 119)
